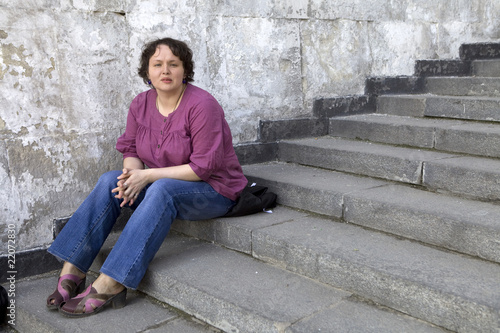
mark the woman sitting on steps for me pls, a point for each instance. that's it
(176, 130)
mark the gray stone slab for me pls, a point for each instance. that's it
(464, 86)
(183, 325)
(453, 223)
(363, 158)
(369, 319)
(470, 138)
(140, 313)
(449, 290)
(402, 105)
(442, 134)
(470, 176)
(235, 232)
(316, 190)
(233, 291)
(471, 108)
(486, 68)
(399, 130)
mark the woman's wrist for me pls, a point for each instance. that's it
(149, 175)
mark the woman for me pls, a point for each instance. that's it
(179, 133)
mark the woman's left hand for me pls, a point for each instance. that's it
(131, 183)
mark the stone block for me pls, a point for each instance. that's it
(466, 176)
(403, 131)
(449, 222)
(336, 52)
(140, 314)
(368, 318)
(29, 75)
(394, 85)
(232, 291)
(94, 72)
(358, 10)
(398, 44)
(486, 68)
(315, 190)
(479, 51)
(402, 105)
(45, 172)
(475, 138)
(275, 130)
(466, 86)
(262, 78)
(442, 68)
(403, 275)
(261, 8)
(471, 108)
(343, 106)
(236, 232)
(251, 153)
(361, 158)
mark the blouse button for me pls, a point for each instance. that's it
(164, 120)
(158, 146)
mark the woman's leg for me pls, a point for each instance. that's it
(165, 200)
(82, 237)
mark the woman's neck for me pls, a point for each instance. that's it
(168, 103)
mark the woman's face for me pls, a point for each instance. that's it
(166, 70)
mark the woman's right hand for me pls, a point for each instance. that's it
(131, 183)
(122, 187)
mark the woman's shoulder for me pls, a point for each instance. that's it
(144, 96)
(199, 93)
(201, 99)
(140, 101)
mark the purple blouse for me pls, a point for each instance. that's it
(196, 134)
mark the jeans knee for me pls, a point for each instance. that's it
(109, 179)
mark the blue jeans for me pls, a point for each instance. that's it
(154, 211)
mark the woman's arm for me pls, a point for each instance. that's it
(181, 172)
(134, 178)
(132, 163)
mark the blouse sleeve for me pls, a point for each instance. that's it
(126, 143)
(206, 127)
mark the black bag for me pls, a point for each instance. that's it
(4, 302)
(253, 199)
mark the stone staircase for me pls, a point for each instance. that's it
(389, 223)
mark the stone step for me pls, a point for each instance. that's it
(455, 107)
(456, 136)
(407, 276)
(237, 293)
(142, 313)
(425, 282)
(457, 224)
(467, 176)
(463, 86)
(486, 68)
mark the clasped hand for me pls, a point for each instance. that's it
(131, 182)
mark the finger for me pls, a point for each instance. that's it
(124, 202)
(117, 189)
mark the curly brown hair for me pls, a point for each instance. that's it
(178, 48)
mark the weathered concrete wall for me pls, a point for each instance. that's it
(68, 73)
